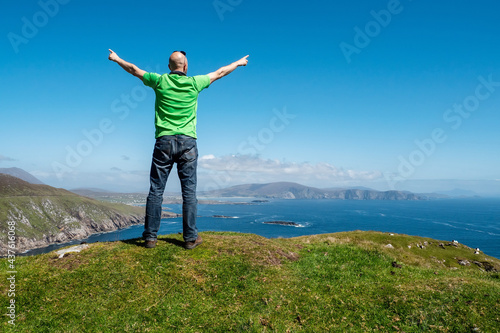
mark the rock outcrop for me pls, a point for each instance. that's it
(60, 225)
(40, 215)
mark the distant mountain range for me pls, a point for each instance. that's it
(21, 174)
(44, 215)
(288, 190)
(278, 190)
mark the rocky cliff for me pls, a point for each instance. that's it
(42, 215)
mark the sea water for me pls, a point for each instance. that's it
(473, 222)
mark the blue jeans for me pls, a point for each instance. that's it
(170, 149)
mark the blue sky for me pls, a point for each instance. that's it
(386, 94)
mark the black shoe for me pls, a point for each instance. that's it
(191, 245)
(150, 244)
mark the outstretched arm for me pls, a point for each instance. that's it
(223, 71)
(127, 66)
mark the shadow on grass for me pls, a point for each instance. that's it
(140, 242)
(134, 241)
(173, 241)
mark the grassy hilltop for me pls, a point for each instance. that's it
(343, 282)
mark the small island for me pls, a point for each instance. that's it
(168, 215)
(293, 224)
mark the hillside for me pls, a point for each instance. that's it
(288, 190)
(21, 174)
(344, 282)
(44, 215)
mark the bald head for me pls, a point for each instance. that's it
(177, 62)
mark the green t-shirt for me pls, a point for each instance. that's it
(176, 102)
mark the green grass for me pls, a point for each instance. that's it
(235, 282)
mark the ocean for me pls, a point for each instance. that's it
(473, 222)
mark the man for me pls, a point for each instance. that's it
(175, 120)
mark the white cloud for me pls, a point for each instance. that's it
(6, 159)
(237, 169)
(114, 179)
(41, 174)
(207, 157)
(219, 172)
